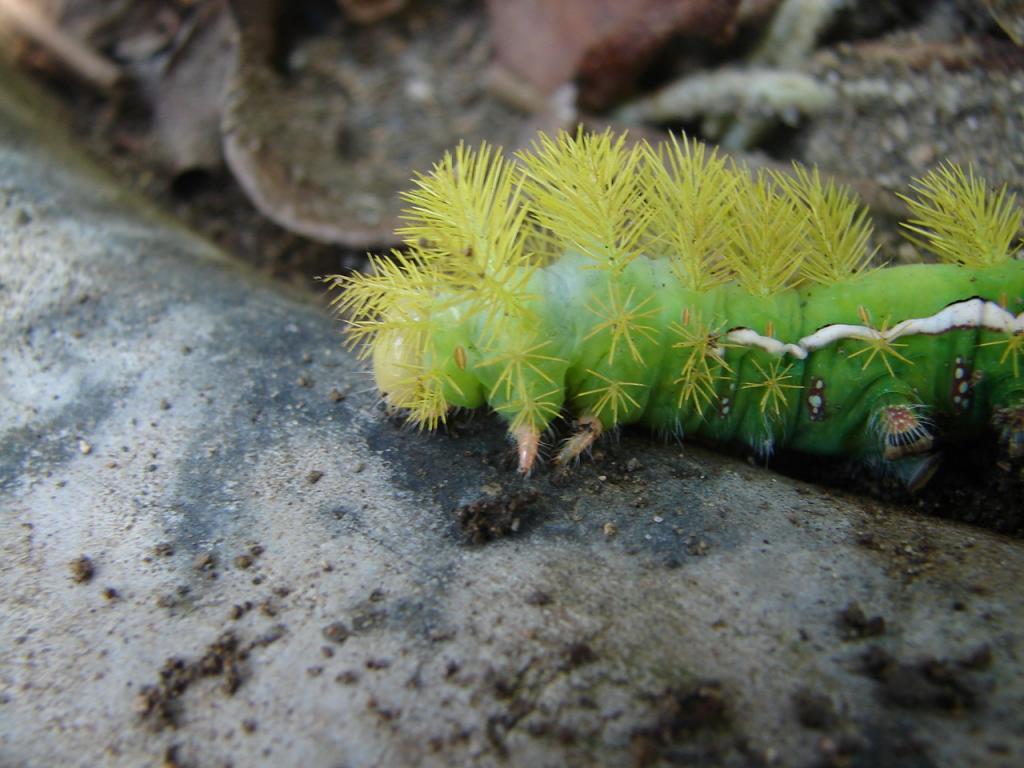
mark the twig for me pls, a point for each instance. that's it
(74, 54)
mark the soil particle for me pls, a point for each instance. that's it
(854, 624)
(204, 561)
(272, 635)
(814, 710)
(238, 610)
(159, 704)
(979, 658)
(368, 619)
(384, 713)
(489, 519)
(243, 561)
(314, 476)
(680, 713)
(578, 654)
(935, 684)
(163, 549)
(82, 569)
(171, 757)
(348, 677)
(336, 632)
(539, 598)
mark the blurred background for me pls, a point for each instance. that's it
(284, 130)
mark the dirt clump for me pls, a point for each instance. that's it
(489, 519)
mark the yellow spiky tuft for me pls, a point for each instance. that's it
(612, 399)
(836, 226)
(394, 296)
(959, 219)
(880, 346)
(467, 218)
(624, 320)
(704, 362)
(773, 383)
(766, 238)
(1014, 352)
(692, 194)
(586, 192)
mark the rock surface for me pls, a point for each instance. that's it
(216, 550)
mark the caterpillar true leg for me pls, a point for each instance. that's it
(588, 429)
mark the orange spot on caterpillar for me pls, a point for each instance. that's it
(769, 329)
(460, 358)
(864, 316)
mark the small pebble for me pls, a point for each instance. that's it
(203, 561)
(82, 569)
(336, 632)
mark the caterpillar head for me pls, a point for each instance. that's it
(395, 355)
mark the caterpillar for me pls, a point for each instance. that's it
(624, 283)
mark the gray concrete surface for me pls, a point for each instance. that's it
(248, 511)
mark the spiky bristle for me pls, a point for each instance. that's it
(774, 384)
(586, 191)
(766, 245)
(879, 346)
(624, 321)
(692, 193)
(836, 226)
(962, 221)
(703, 365)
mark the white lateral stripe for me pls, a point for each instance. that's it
(747, 337)
(972, 313)
(833, 333)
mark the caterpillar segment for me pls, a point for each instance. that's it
(619, 283)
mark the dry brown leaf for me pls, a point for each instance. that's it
(606, 43)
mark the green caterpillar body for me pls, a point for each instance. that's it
(732, 341)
